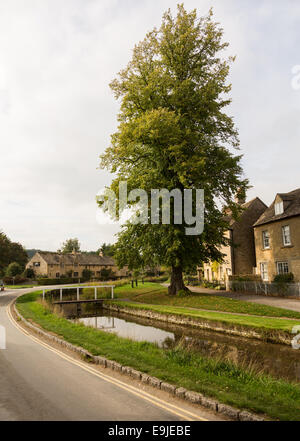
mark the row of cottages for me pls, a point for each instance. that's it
(55, 265)
(264, 241)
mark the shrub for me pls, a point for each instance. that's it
(29, 273)
(13, 269)
(87, 274)
(284, 278)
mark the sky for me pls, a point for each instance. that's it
(57, 111)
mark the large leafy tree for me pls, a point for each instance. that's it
(174, 133)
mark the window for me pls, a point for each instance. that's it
(279, 208)
(282, 268)
(75, 274)
(57, 275)
(36, 264)
(286, 235)
(264, 272)
(266, 240)
(221, 272)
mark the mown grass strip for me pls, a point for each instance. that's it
(269, 323)
(214, 302)
(224, 381)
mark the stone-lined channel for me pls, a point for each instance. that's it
(280, 361)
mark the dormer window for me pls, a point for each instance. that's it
(278, 208)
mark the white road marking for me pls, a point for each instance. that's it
(175, 410)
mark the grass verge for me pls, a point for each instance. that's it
(236, 386)
(156, 294)
(267, 323)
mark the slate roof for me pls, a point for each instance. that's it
(80, 258)
(291, 205)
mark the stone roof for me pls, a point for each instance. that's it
(79, 258)
(291, 205)
(245, 207)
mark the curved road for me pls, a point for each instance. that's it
(38, 383)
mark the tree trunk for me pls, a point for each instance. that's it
(176, 281)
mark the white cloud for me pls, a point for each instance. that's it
(57, 112)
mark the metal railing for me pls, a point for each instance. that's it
(61, 288)
(266, 288)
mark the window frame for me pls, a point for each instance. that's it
(262, 273)
(263, 239)
(283, 262)
(285, 244)
(279, 209)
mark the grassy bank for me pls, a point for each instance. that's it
(155, 294)
(224, 381)
(268, 323)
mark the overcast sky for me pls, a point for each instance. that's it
(57, 111)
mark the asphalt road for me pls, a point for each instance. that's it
(38, 384)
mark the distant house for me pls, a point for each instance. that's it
(55, 265)
(277, 237)
(239, 256)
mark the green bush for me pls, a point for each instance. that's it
(29, 273)
(14, 269)
(87, 274)
(284, 278)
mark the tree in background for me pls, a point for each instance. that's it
(174, 133)
(11, 252)
(107, 249)
(70, 245)
(14, 269)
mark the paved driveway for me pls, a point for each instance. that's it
(279, 302)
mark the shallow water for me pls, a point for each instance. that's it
(280, 361)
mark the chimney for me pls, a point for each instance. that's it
(100, 253)
(240, 197)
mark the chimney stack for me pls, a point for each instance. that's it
(240, 198)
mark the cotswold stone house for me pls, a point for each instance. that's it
(239, 256)
(277, 237)
(54, 265)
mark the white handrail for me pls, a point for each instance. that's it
(78, 288)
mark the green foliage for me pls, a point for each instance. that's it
(29, 273)
(13, 269)
(173, 133)
(70, 245)
(11, 252)
(107, 274)
(87, 274)
(107, 249)
(284, 278)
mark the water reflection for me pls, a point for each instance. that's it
(280, 361)
(129, 329)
